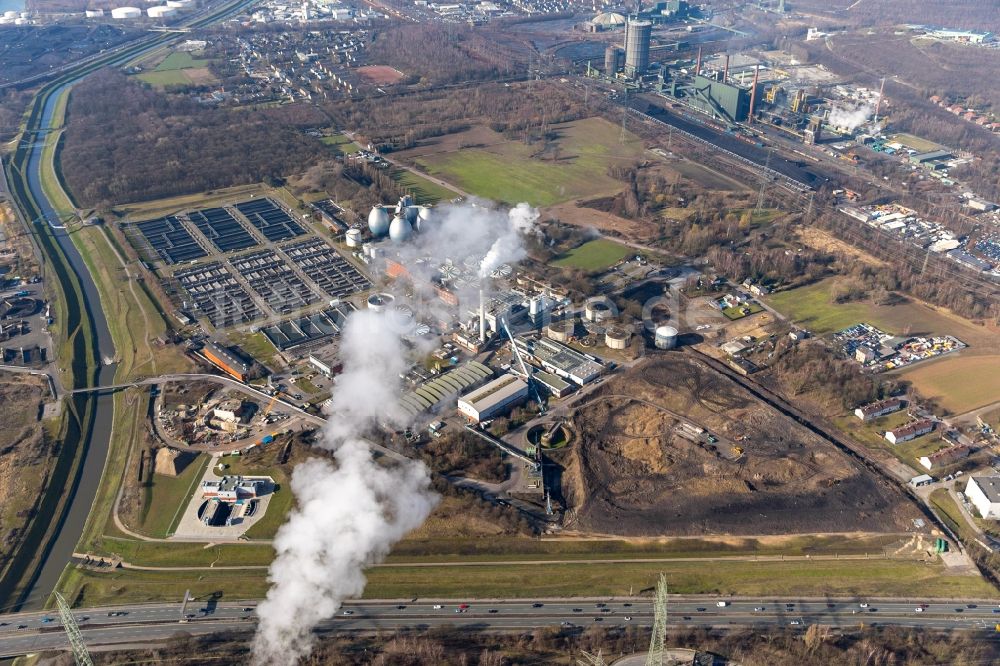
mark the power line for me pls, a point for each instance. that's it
(80, 652)
(657, 643)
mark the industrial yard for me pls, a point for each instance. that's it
(736, 467)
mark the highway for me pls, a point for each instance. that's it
(30, 632)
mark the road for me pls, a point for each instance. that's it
(147, 623)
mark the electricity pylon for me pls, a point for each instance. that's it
(80, 652)
(591, 659)
(657, 644)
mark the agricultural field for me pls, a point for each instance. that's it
(178, 69)
(571, 166)
(958, 383)
(593, 256)
(422, 189)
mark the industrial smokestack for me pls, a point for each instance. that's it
(697, 65)
(482, 315)
(878, 102)
(753, 93)
(725, 71)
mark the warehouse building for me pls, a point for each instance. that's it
(226, 361)
(433, 393)
(556, 386)
(984, 494)
(561, 360)
(493, 399)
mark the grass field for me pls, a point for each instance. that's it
(511, 172)
(869, 434)
(959, 383)
(165, 495)
(162, 79)
(735, 313)
(341, 144)
(915, 142)
(258, 346)
(849, 577)
(423, 190)
(595, 255)
(180, 60)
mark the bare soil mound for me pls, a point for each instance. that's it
(641, 468)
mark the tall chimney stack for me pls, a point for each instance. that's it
(697, 66)
(753, 93)
(878, 103)
(482, 315)
(725, 71)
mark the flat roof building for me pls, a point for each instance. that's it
(556, 386)
(231, 488)
(493, 399)
(984, 494)
(561, 360)
(226, 361)
(433, 393)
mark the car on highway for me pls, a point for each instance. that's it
(348, 612)
(794, 623)
(461, 610)
(599, 605)
(494, 610)
(628, 618)
(248, 609)
(47, 620)
(189, 616)
(919, 609)
(580, 610)
(701, 610)
(758, 609)
(438, 606)
(598, 619)
(564, 623)
(996, 610)
(626, 605)
(686, 617)
(22, 626)
(118, 613)
(537, 605)
(863, 605)
(463, 606)
(400, 607)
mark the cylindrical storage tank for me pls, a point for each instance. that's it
(179, 4)
(561, 331)
(380, 302)
(366, 249)
(353, 237)
(617, 337)
(378, 221)
(160, 11)
(21, 21)
(613, 57)
(400, 230)
(637, 35)
(94, 13)
(598, 309)
(126, 13)
(665, 337)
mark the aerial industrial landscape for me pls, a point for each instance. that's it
(505, 332)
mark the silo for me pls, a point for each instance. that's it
(353, 237)
(561, 331)
(617, 337)
(665, 337)
(614, 56)
(637, 35)
(366, 249)
(598, 309)
(161, 12)
(126, 13)
(400, 230)
(378, 221)
(425, 217)
(380, 302)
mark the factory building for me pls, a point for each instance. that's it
(717, 98)
(433, 393)
(226, 361)
(561, 360)
(555, 386)
(493, 399)
(637, 34)
(231, 489)
(984, 494)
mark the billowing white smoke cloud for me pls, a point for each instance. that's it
(350, 514)
(850, 119)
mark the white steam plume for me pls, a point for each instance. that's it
(350, 514)
(850, 119)
(508, 248)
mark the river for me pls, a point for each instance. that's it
(84, 490)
